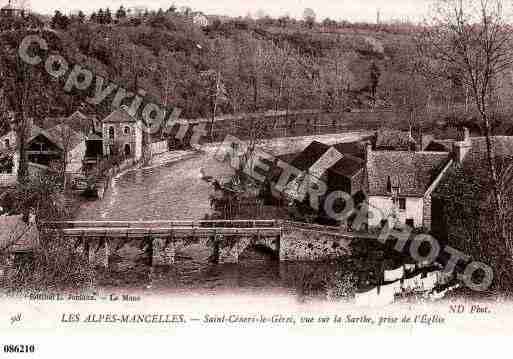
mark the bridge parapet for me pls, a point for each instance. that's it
(229, 239)
(163, 224)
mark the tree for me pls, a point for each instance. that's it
(66, 136)
(309, 17)
(121, 13)
(81, 17)
(107, 17)
(23, 87)
(100, 17)
(472, 39)
(327, 22)
(60, 21)
(375, 74)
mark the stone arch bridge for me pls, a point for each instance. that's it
(228, 239)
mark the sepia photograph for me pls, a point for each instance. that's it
(231, 169)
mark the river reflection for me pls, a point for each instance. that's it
(255, 273)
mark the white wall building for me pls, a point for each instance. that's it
(123, 133)
(401, 184)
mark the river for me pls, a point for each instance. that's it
(172, 188)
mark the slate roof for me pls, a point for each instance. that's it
(16, 235)
(119, 116)
(440, 146)
(78, 121)
(38, 131)
(412, 172)
(288, 158)
(54, 134)
(348, 166)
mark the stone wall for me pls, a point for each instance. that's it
(297, 243)
(231, 247)
(303, 244)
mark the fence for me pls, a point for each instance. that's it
(158, 147)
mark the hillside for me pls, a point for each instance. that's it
(260, 65)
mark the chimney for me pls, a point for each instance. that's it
(462, 146)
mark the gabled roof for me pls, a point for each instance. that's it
(55, 135)
(16, 235)
(36, 131)
(412, 172)
(119, 116)
(348, 166)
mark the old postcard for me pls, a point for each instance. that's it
(215, 172)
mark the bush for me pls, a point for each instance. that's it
(54, 265)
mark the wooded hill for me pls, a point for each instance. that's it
(244, 65)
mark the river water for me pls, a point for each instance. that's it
(172, 188)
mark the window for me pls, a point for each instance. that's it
(389, 185)
(400, 203)
(111, 132)
(127, 130)
(127, 150)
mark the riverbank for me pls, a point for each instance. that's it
(172, 186)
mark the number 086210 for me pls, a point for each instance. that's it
(11, 348)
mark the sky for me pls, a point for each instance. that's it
(351, 10)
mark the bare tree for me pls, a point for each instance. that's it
(66, 136)
(18, 81)
(309, 17)
(472, 39)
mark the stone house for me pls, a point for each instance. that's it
(122, 134)
(401, 184)
(346, 175)
(45, 149)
